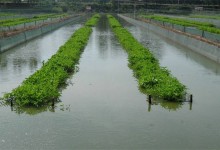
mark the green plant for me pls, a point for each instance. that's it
(184, 22)
(156, 80)
(92, 21)
(17, 21)
(205, 16)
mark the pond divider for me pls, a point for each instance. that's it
(43, 87)
(202, 47)
(187, 99)
(154, 80)
(12, 41)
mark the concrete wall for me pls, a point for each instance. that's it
(203, 48)
(9, 42)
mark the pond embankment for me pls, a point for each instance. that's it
(11, 41)
(208, 49)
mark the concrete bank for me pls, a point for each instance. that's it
(9, 42)
(208, 50)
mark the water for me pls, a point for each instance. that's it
(102, 108)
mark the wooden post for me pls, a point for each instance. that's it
(150, 99)
(191, 98)
(203, 33)
(11, 102)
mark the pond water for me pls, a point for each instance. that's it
(102, 107)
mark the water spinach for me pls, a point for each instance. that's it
(92, 21)
(153, 79)
(205, 26)
(17, 21)
(43, 86)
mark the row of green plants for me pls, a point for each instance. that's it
(184, 22)
(179, 21)
(50, 15)
(44, 85)
(17, 21)
(153, 79)
(93, 20)
(6, 14)
(205, 16)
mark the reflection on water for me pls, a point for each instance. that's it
(171, 106)
(50, 107)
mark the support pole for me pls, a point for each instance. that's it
(11, 101)
(150, 99)
(191, 98)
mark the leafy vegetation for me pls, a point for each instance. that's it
(156, 80)
(43, 86)
(6, 14)
(179, 21)
(205, 16)
(92, 21)
(17, 21)
(184, 22)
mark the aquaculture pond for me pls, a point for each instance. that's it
(102, 107)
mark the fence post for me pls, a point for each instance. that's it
(150, 99)
(11, 101)
(191, 98)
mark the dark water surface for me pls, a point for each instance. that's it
(102, 108)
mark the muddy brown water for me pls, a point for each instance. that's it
(102, 107)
